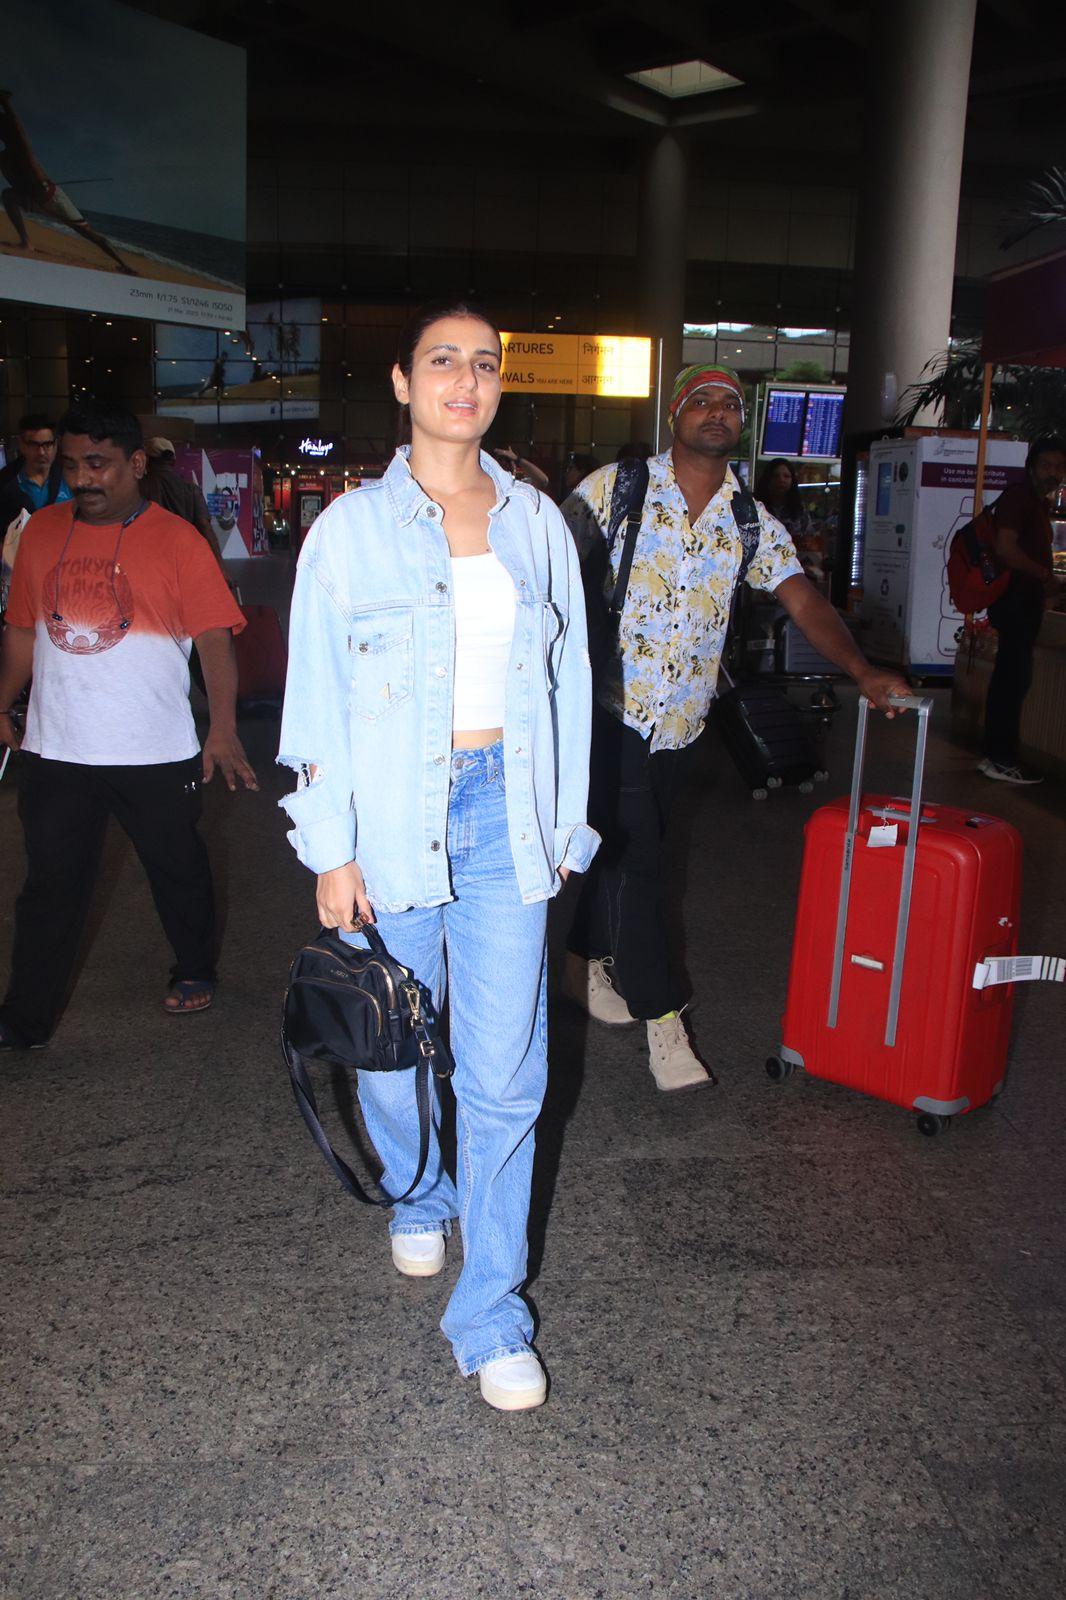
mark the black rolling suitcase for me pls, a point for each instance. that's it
(766, 737)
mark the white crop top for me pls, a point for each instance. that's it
(484, 625)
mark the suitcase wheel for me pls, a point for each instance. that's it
(806, 788)
(930, 1123)
(759, 794)
(774, 783)
(779, 1070)
(821, 777)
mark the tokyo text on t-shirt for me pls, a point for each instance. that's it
(114, 610)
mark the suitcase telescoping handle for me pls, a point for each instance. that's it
(923, 706)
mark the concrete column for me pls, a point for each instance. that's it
(909, 197)
(662, 250)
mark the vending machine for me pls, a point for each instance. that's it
(919, 491)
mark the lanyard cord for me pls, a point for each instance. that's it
(124, 621)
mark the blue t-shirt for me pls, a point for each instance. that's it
(38, 492)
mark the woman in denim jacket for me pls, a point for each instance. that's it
(437, 710)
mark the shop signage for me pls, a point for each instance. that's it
(576, 363)
(315, 447)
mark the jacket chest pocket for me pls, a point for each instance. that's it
(382, 663)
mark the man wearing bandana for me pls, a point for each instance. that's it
(654, 694)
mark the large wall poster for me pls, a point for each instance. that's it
(270, 372)
(123, 165)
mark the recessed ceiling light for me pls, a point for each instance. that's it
(685, 78)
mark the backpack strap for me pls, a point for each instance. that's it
(627, 505)
(746, 516)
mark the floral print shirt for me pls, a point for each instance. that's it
(665, 673)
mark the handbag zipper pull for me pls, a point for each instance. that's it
(414, 1000)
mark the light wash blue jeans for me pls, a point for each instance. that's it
(493, 948)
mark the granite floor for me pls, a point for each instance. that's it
(795, 1349)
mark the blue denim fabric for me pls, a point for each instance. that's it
(493, 945)
(368, 700)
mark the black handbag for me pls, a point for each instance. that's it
(361, 1010)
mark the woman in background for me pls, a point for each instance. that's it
(779, 492)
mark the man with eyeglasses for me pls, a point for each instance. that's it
(34, 481)
(38, 478)
(654, 690)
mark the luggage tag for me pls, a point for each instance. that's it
(1019, 969)
(882, 835)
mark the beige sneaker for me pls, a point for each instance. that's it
(674, 1063)
(590, 984)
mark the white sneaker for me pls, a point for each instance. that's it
(418, 1255)
(1001, 774)
(514, 1383)
(674, 1063)
(590, 984)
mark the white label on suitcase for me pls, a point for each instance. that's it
(883, 835)
(1019, 969)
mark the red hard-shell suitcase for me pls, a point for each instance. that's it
(262, 659)
(890, 931)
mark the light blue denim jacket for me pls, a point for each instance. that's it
(368, 699)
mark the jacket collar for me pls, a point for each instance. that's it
(408, 499)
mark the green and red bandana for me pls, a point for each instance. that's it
(690, 379)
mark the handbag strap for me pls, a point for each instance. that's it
(627, 502)
(304, 1095)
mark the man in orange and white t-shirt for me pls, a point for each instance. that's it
(108, 593)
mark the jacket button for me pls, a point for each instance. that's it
(442, 588)
(363, 648)
(438, 761)
(520, 666)
(518, 749)
(435, 845)
(442, 672)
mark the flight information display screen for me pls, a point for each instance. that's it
(803, 422)
(783, 428)
(821, 426)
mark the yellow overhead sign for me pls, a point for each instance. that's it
(576, 363)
